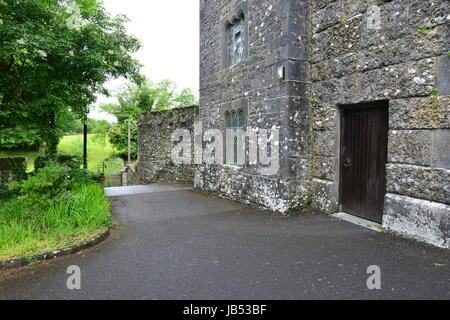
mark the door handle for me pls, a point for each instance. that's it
(348, 161)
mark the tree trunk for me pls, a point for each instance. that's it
(52, 138)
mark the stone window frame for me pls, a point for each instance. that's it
(235, 119)
(241, 10)
(236, 106)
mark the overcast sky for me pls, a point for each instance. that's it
(169, 33)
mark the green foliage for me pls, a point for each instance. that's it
(99, 149)
(30, 156)
(113, 165)
(70, 124)
(20, 137)
(435, 93)
(99, 127)
(118, 136)
(71, 161)
(423, 29)
(149, 96)
(136, 99)
(78, 176)
(27, 230)
(40, 162)
(55, 57)
(47, 184)
(54, 180)
(18, 167)
(186, 98)
(74, 126)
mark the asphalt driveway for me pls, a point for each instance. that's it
(177, 243)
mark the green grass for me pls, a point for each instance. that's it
(99, 150)
(113, 165)
(26, 230)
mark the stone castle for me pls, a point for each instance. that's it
(360, 93)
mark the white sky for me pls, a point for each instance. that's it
(169, 33)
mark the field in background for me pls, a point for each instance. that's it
(99, 151)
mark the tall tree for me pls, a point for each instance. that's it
(55, 56)
(134, 99)
(149, 96)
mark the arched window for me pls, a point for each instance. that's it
(228, 119)
(236, 40)
(240, 119)
(235, 137)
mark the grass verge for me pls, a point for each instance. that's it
(26, 230)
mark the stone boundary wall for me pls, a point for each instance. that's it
(11, 169)
(155, 145)
(405, 60)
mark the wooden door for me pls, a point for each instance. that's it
(364, 136)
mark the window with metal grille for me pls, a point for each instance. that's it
(235, 138)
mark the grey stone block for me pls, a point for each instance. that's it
(325, 143)
(420, 219)
(420, 113)
(419, 182)
(325, 196)
(325, 168)
(410, 146)
(443, 75)
(440, 156)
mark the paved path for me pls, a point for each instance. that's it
(175, 243)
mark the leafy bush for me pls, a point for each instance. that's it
(54, 181)
(49, 183)
(20, 138)
(118, 136)
(73, 162)
(40, 162)
(79, 176)
(17, 165)
(70, 161)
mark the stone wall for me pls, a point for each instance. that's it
(276, 38)
(6, 178)
(155, 145)
(11, 169)
(405, 60)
